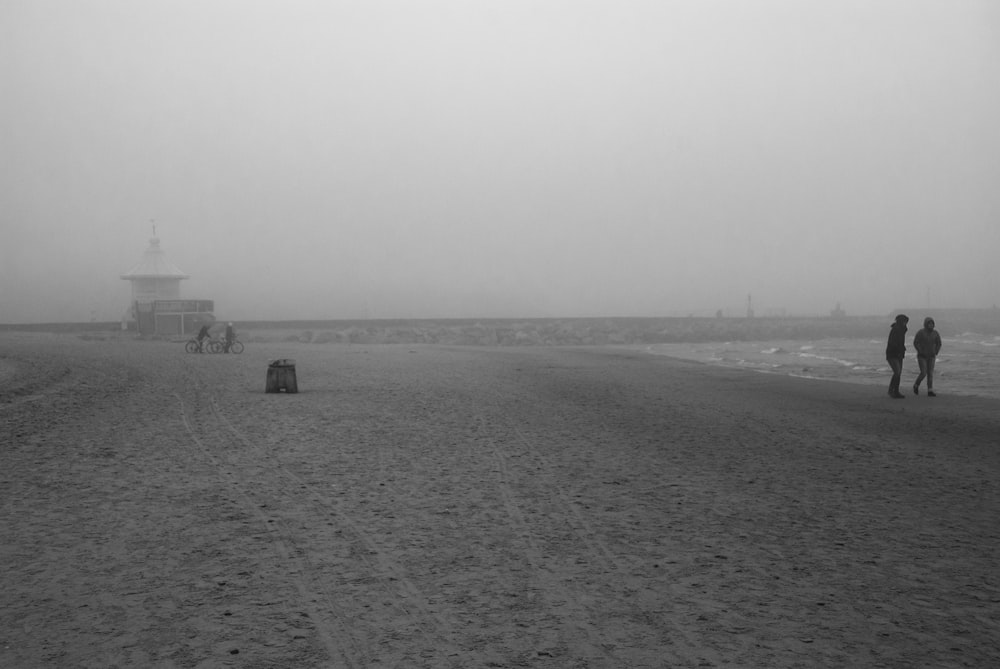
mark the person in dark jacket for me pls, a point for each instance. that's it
(895, 350)
(202, 336)
(927, 343)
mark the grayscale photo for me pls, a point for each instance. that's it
(345, 334)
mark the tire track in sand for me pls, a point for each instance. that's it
(509, 439)
(284, 544)
(578, 632)
(413, 610)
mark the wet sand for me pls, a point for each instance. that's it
(432, 506)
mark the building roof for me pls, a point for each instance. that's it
(154, 265)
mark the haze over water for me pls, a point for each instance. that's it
(391, 159)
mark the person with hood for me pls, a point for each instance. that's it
(927, 343)
(895, 350)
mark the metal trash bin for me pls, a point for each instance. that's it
(281, 376)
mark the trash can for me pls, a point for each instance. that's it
(281, 376)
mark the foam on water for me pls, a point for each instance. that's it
(968, 363)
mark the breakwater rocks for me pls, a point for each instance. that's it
(563, 331)
(608, 331)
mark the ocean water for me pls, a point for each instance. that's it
(969, 363)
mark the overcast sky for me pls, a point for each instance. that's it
(510, 158)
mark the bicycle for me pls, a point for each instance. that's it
(204, 346)
(235, 346)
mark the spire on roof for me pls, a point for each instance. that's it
(154, 264)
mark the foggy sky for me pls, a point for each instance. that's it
(473, 158)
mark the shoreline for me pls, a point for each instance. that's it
(875, 376)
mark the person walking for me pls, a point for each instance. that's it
(927, 343)
(895, 350)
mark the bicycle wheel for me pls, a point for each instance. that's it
(191, 346)
(215, 347)
(236, 347)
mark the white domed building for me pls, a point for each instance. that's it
(156, 306)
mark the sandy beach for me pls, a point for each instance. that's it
(484, 506)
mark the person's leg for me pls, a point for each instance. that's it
(920, 377)
(897, 370)
(930, 375)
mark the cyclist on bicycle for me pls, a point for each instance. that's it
(230, 336)
(202, 336)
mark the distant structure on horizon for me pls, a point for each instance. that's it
(156, 307)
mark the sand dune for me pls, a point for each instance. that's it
(433, 506)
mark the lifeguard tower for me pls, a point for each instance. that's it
(157, 307)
